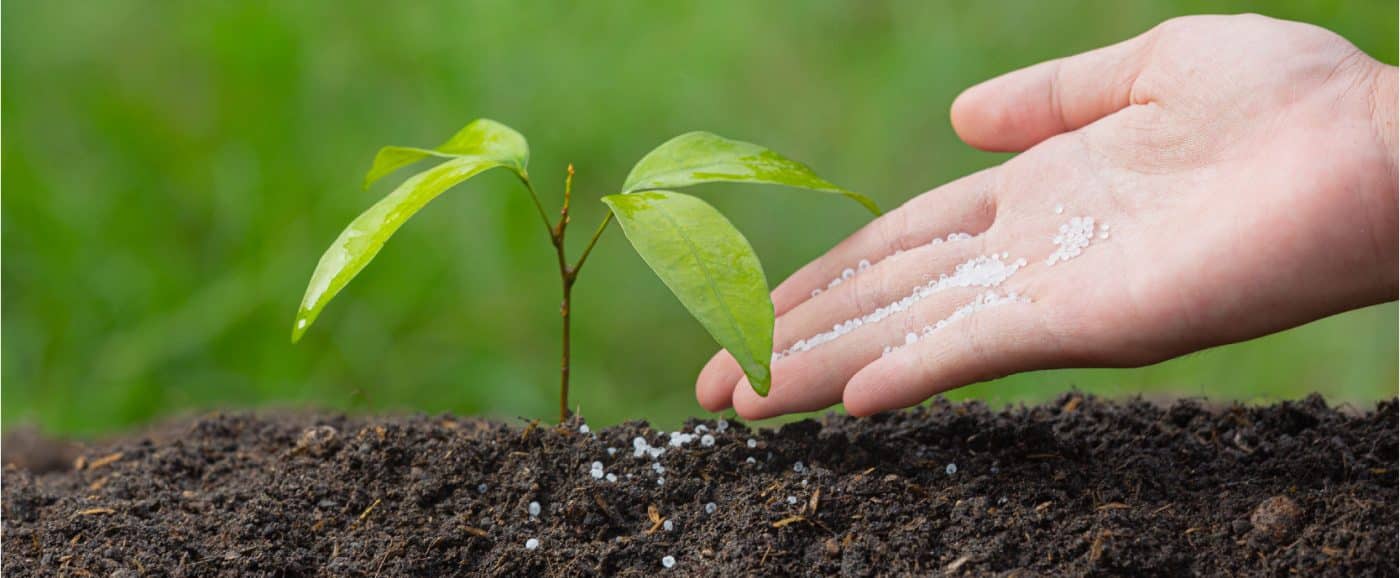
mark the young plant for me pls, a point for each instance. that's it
(695, 251)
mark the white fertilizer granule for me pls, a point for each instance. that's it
(847, 273)
(983, 271)
(1071, 240)
(531, 544)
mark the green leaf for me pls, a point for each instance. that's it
(702, 157)
(483, 138)
(360, 242)
(709, 266)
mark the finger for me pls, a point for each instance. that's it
(1015, 111)
(986, 344)
(715, 386)
(966, 205)
(815, 378)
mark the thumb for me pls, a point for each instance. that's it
(1015, 111)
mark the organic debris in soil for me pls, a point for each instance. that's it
(1076, 487)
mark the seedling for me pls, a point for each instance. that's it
(696, 251)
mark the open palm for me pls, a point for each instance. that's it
(1215, 179)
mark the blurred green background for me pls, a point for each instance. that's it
(172, 171)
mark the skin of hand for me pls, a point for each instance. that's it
(1246, 167)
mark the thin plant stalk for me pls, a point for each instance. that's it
(568, 275)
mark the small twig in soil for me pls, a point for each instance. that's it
(365, 514)
(1096, 548)
(656, 519)
(1113, 506)
(769, 489)
(93, 512)
(104, 460)
(382, 558)
(788, 520)
(597, 499)
(475, 531)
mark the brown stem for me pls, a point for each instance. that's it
(564, 361)
(567, 275)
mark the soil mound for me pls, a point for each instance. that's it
(1079, 487)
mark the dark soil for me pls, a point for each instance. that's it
(1079, 487)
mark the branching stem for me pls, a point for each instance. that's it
(568, 274)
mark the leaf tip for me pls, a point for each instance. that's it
(760, 387)
(299, 327)
(760, 378)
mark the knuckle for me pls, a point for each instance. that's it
(865, 289)
(894, 230)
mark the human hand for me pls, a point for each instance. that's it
(1240, 174)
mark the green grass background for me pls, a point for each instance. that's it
(172, 171)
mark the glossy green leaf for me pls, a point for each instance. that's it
(701, 157)
(709, 266)
(360, 242)
(483, 137)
